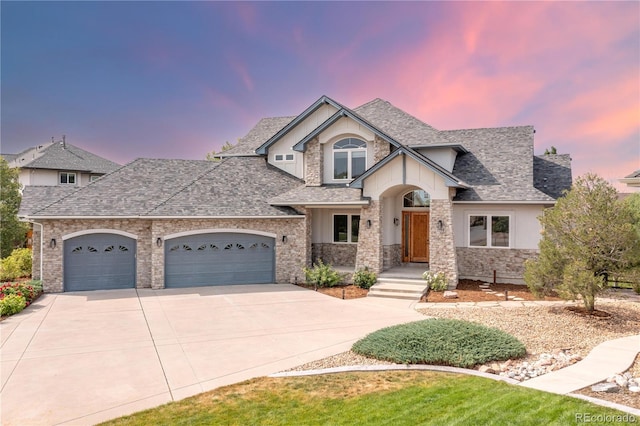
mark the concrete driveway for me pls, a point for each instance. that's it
(81, 358)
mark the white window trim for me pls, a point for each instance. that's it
(488, 215)
(284, 158)
(75, 178)
(349, 231)
(349, 152)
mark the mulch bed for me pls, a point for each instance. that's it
(469, 291)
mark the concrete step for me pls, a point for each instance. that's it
(400, 288)
(394, 295)
(408, 281)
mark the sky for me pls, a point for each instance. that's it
(178, 79)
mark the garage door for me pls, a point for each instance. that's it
(219, 259)
(99, 262)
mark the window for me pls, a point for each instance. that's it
(284, 157)
(346, 228)
(94, 178)
(488, 231)
(67, 178)
(349, 158)
(417, 198)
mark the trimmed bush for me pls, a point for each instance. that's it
(12, 304)
(442, 342)
(364, 278)
(322, 275)
(17, 265)
(437, 280)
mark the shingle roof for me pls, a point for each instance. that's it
(318, 195)
(635, 174)
(498, 166)
(552, 174)
(59, 156)
(9, 157)
(38, 197)
(237, 186)
(263, 130)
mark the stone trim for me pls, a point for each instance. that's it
(381, 149)
(392, 256)
(479, 263)
(334, 254)
(314, 163)
(370, 239)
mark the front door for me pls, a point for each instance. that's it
(415, 237)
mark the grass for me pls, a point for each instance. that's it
(440, 341)
(372, 398)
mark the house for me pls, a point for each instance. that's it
(369, 187)
(632, 180)
(58, 164)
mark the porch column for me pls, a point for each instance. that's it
(441, 244)
(370, 253)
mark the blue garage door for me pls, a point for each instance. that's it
(219, 259)
(99, 262)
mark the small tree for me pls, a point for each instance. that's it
(12, 231)
(211, 156)
(586, 236)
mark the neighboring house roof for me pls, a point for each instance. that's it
(632, 179)
(62, 156)
(320, 195)
(9, 157)
(498, 165)
(237, 186)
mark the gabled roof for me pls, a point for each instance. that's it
(62, 156)
(145, 188)
(635, 174)
(37, 197)
(449, 179)
(324, 100)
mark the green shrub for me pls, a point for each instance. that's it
(12, 304)
(322, 275)
(364, 278)
(442, 342)
(17, 265)
(437, 280)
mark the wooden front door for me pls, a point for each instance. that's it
(415, 237)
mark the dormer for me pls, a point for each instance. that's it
(442, 154)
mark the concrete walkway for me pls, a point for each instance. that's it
(85, 357)
(605, 360)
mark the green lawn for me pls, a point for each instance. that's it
(372, 398)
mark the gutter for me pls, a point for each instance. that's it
(27, 219)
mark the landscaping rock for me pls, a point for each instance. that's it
(450, 294)
(486, 369)
(605, 387)
(634, 389)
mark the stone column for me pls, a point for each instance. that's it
(370, 252)
(314, 163)
(442, 251)
(157, 254)
(36, 246)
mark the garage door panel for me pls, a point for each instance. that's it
(219, 259)
(99, 261)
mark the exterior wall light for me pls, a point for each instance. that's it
(52, 243)
(440, 225)
(368, 223)
(284, 239)
(159, 242)
(396, 221)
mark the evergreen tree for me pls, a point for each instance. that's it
(12, 231)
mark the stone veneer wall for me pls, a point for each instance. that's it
(381, 149)
(370, 239)
(314, 164)
(334, 254)
(392, 256)
(442, 251)
(52, 257)
(291, 256)
(479, 263)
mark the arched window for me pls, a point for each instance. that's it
(417, 198)
(349, 158)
